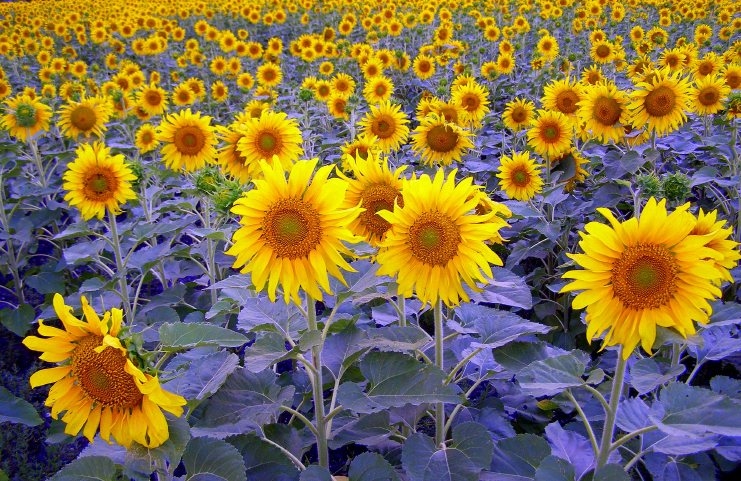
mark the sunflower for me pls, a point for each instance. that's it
(642, 273)
(182, 95)
(518, 114)
(563, 96)
(547, 47)
(520, 176)
(572, 162)
(343, 85)
(232, 162)
(660, 102)
(473, 99)
(732, 76)
(322, 90)
(219, 92)
(437, 240)
(97, 386)
(721, 241)
(146, 138)
(25, 117)
(152, 99)
(189, 140)
(388, 123)
(439, 141)
(272, 135)
(378, 89)
(269, 74)
(505, 64)
(424, 67)
(550, 133)
(87, 117)
(710, 64)
(602, 52)
(337, 106)
(363, 146)
(708, 95)
(96, 181)
(452, 112)
(604, 111)
(293, 230)
(374, 187)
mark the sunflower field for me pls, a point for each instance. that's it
(329, 240)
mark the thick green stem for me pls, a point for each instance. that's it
(611, 414)
(210, 248)
(317, 384)
(401, 302)
(120, 265)
(439, 407)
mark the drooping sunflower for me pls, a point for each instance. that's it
(474, 99)
(152, 99)
(271, 135)
(604, 111)
(87, 117)
(97, 180)
(518, 114)
(708, 95)
(721, 241)
(437, 240)
(642, 273)
(550, 133)
(520, 176)
(374, 187)
(189, 140)
(573, 162)
(293, 230)
(378, 89)
(25, 117)
(388, 123)
(562, 95)
(97, 385)
(440, 142)
(660, 102)
(146, 138)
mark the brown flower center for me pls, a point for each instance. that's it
(442, 138)
(566, 101)
(434, 238)
(603, 51)
(153, 98)
(383, 127)
(520, 177)
(519, 115)
(606, 111)
(83, 118)
(708, 96)
(660, 101)
(101, 376)
(100, 185)
(375, 198)
(292, 228)
(189, 140)
(645, 276)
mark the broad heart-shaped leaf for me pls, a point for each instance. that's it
(517, 355)
(213, 460)
(507, 289)
(17, 410)
(259, 314)
(269, 349)
(193, 334)
(495, 327)
(422, 462)
(684, 445)
(246, 401)
(362, 280)
(315, 473)
(727, 386)
(717, 344)
(343, 348)
(473, 440)
(554, 468)
(262, 460)
(396, 338)
(552, 376)
(371, 467)
(611, 472)
(367, 430)
(91, 468)
(520, 455)
(687, 469)
(693, 411)
(570, 446)
(18, 320)
(647, 374)
(395, 379)
(204, 376)
(633, 414)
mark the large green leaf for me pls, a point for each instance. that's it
(554, 468)
(474, 441)
(520, 455)
(690, 410)
(259, 314)
(315, 473)
(17, 410)
(269, 349)
(371, 467)
(18, 320)
(647, 374)
(93, 468)
(204, 376)
(209, 459)
(263, 460)
(193, 334)
(422, 462)
(395, 379)
(517, 355)
(552, 376)
(495, 328)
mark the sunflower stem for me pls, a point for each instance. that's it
(120, 265)
(611, 414)
(439, 407)
(317, 384)
(34, 146)
(210, 248)
(401, 303)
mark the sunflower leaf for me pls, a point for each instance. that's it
(209, 459)
(188, 335)
(693, 411)
(552, 376)
(92, 468)
(17, 410)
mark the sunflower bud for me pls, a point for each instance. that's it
(649, 185)
(676, 187)
(25, 115)
(208, 181)
(226, 195)
(305, 95)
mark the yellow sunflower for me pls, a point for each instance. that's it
(576, 165)
(660, 102)
(146, 138)
(473, 99)
(342, 85)
(721, 241)
(518, 114)
(152, 99)
(97, 180)
(230, 159)
(437, 240)
(97, 386)
(337, 106)
(363, 146)
(424, 67)
(550, 133)
(708, 95)
(87, 117)
(505, 64)
(604, 111)
(25, 117)
(269, 74)
(189, 140)
(293, 230)
(520, 176)
(563, 96)
(602, 52)
(645, 272)
(439, 141)
(378, 89)
(374, 187)
(272, 135)
(388, 123)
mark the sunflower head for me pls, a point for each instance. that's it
(188, 140)
(520, 176)
(439, 141)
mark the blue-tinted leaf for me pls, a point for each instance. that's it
(729, 448)
(422, 462)
(205, 376)
(213, 459)
(516, 356)
(367, 430)
(18, 320)
(258, 313)
(495, 327)
(189, 335)
(611, 472)
(554, 468)
(396, 338)
(47, 282)
(520, 455)
(647, 374)
(315, 473)
(717, 344)
(684, 445)
(506, 289)
(552, 376)
(16, 410)
(262, 460)
(694, 411)
(473, 440)
(633, 414)
(343, 348)
(269, 349)
(727, 386)
(371, 467)
(570, 446)
(92, 468)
